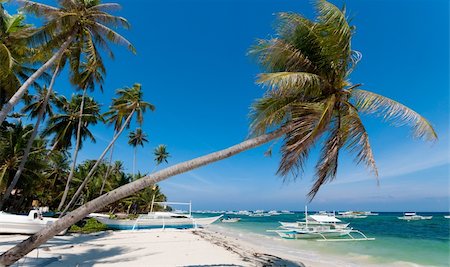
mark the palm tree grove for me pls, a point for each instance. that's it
(308, 102)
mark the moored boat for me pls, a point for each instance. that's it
(412, 216)
(230, 220)
(24, 224)
(321, 227)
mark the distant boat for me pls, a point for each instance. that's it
(286, 212)
(24, 224)
(447, 216)
(320, 227)
(230, 220)
(412, 216)
(352, 215)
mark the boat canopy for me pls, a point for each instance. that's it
(410, 213)
(324, 219)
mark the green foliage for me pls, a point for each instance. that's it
(91, 226)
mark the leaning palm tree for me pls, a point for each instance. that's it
(136, 138)
(73, 24)
(310, 96)
(128, 103)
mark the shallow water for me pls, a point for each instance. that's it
(425, 242)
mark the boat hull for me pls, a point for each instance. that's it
(22, 224)
(157, 223)
(311, 235)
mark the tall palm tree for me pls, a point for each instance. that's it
(74, 25)
(66, 126)
(41, 108)
(128, 103)
(310, 95)
(161, 155)
(116, 117)
(136, 138)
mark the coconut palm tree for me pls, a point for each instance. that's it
(117, 117)
(161, 154)
(128, 103)
(41, 108)
(136, 138)
(65, 126)
(74, 25)
(309, 96)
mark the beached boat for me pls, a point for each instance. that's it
(24, 224)
(320, 227)
(159, 219)
(230, 220)
(412, 216)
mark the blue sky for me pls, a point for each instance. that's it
(193, 66)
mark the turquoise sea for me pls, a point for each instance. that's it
(425, 242)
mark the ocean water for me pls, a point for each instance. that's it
(423, 243)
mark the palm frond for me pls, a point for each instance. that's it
(308, 121)
(113, 36)
(278, 55)
(326, 168)
(394, 112)
(293, 82)
(357, 139)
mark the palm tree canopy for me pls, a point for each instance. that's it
(137, 138)
(63, 126)
(308, 66)
(35, 103)
(15, 53)
(92, 28)
(129, 99)
(161, 154)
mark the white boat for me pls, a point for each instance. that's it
(273, 212)
(317, 220)
(320, 227)
(159, 220)
(230, 220)
(286, 212)
(352, 215)
(447, 216)
(24, 224)
(412, 216)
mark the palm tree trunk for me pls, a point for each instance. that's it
(94, 168)
(27, 150)
(14, 100)
(75, 153)
(23, 248)
(108, 170)
(134, 162)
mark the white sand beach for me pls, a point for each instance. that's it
(170, 247)
(140, 248)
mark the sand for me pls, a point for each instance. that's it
(215, 246)
(143, 248)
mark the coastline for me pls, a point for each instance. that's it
(213, 246)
